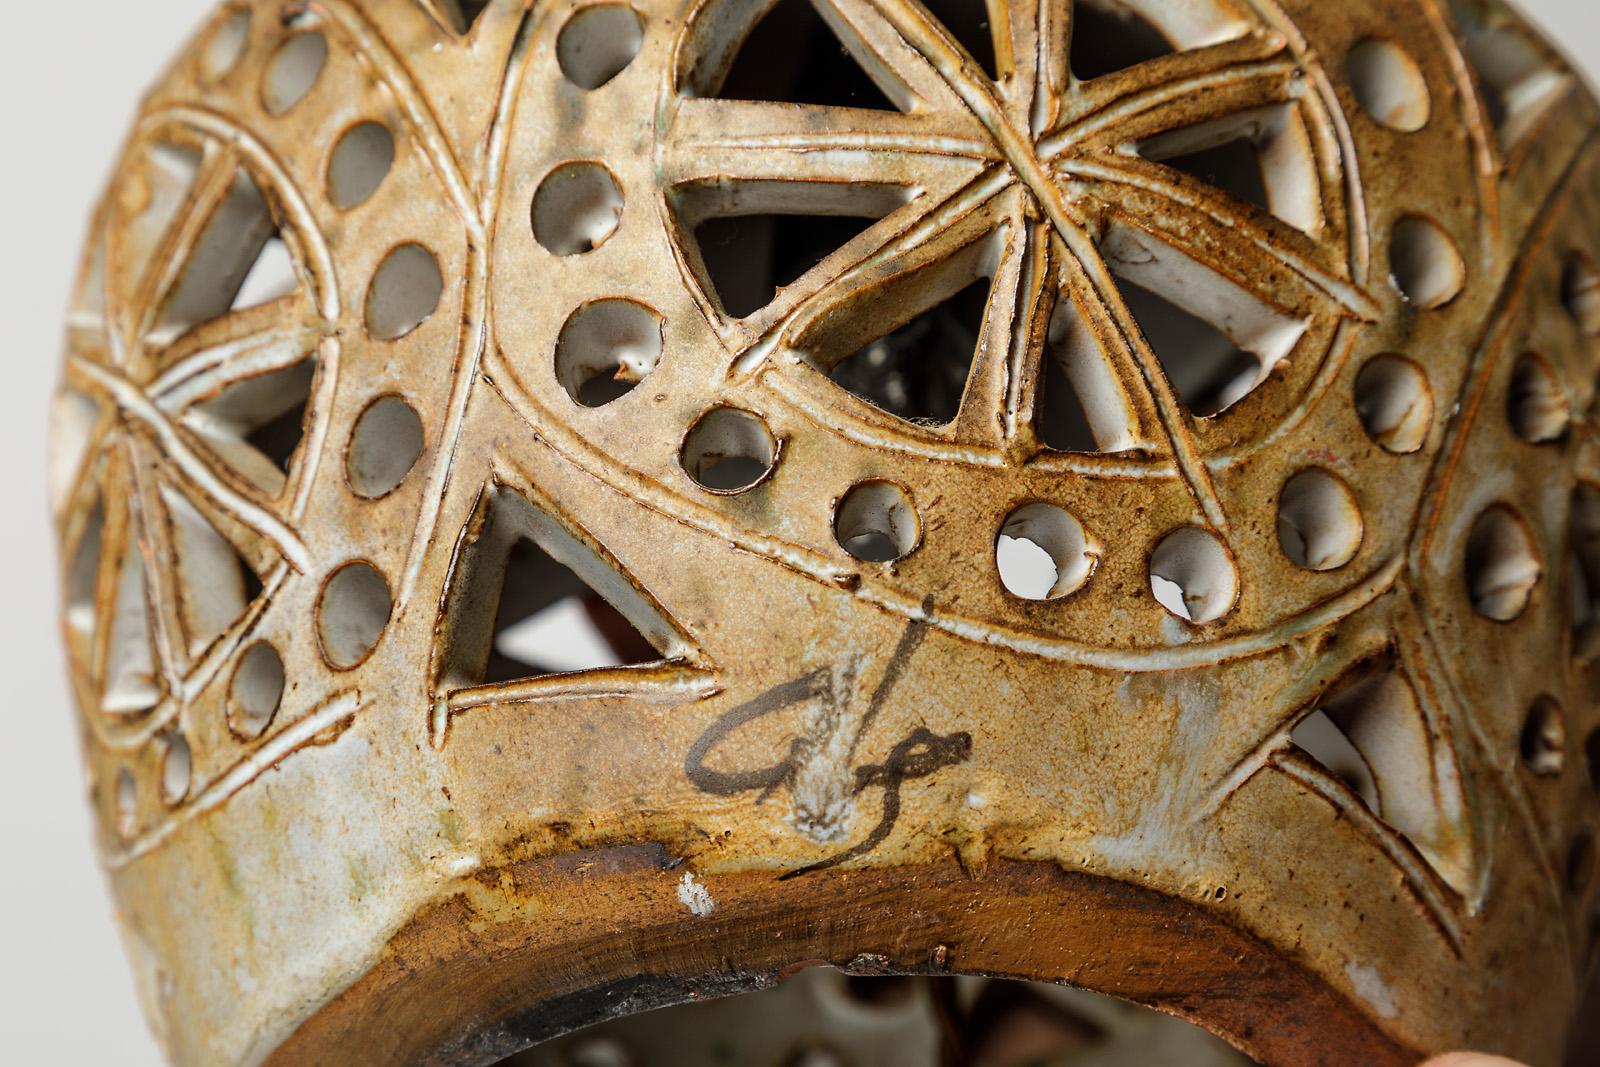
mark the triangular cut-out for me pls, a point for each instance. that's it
(271, 276)
(215, 583)
(132, 685)
(530, 599)
(1233, 166)
(462, 14)
(257, 424)
(748, 258)
(791, 56)
(1081, 406)
(83, 575)
(918, 372)
(167, 173)
(1518, 76)
(1369, 732)
(278, 439)
(549, 622)
(968, 22)
(1108, 37)
(1206, 369)
(222, 258)
(1262, 156)
(1321, 739)
(1062, 423)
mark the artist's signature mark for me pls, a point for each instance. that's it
(827, 748)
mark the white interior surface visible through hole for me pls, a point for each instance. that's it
(404, 292)
(352, 614)
(293, 70)
(1394, 403)
(384, 446)
(1388, 84)
(598, 42)
(1281, 144)
(613, 339)
(1043, 553)
(256, 690)
(360, 162)
(225, 46)
(272, 275)
(562, 637)
(577, 206)
(1256, 328)
(1192, 575)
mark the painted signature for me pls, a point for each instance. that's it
(818, 769)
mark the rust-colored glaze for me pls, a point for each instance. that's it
(1141, 528)
(531, 980)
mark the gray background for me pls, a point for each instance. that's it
(72, 72)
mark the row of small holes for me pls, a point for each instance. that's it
(578, 205)
(1041, 552)
(1393, 399)
(1390, 87)
(1538, 412)
(387, 438)
(581, 207)
(406, 288)
(1392, 394)
(355, 604)
(1192, 574)
(1502, 557)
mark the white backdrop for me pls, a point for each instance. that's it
(71, 74)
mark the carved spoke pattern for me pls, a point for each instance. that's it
(202, 341)
(1052, 173)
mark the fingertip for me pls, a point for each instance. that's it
(1471, 1059)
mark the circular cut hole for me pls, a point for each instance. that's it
(177, 768)
(1544, 737)
(256, 691)
(1388, 85)
(606, 348)
(876, 522)
(293, 70)
(1319, 521)
(1502, 565)
(1394, 403)
(728, 451)
(225, 46)
(404, 292)
(127, 803)
(1580, 292)
(1043, 553)
(359, 163)
(384, 446)
(1535, 402)
(598, 42)
(1193, 576)
(1424, 262)
(576, 208)
(352, 614)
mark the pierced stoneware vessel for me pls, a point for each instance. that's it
(572, 507)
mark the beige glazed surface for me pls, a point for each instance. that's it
(1097, 492)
